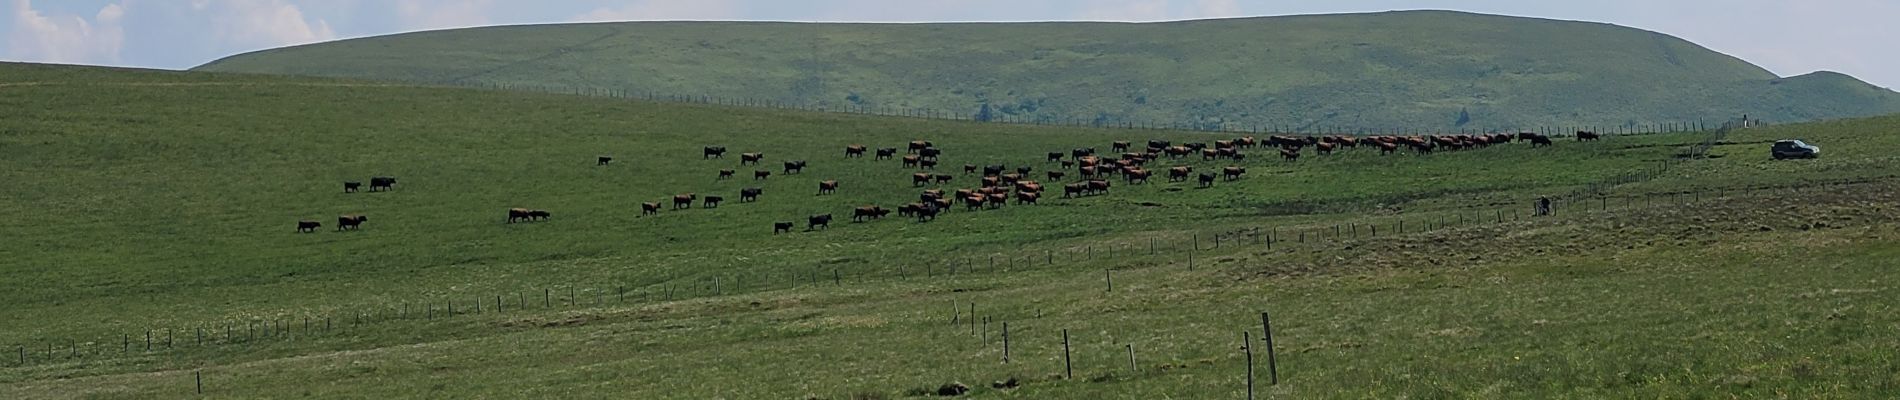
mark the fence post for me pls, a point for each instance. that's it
(1131, 359)
(1110, 279)
(1005, 342)
(1266, 327)
(1068, 368)
(1246, 345)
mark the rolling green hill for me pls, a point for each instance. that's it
(1423, 69)
(163, 204)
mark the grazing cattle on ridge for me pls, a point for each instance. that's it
(1209, 154)
(919, 179)
(1246, 142)
(307, 226)
(919, 145)
(911, 161)
(930, 153)
(1180, 173)
(684, 200)
(886, 153)
(1324, 148)
(1587, 136)
(350, 222)
(782, 226)
(827, 187)
(1233, 173)
(856, 150)
(1075, 189)
(714, 152)
(1207, 179)
(518, 214)
(794, 167)
(1027, 197)
(748, 194)
(815, 221)
(712, 202)
(1290, 155)
(603, 160)
(1118, 146)
(750, 158)
(944, 178)
(649, 208)
(1056, 175)
(350, 186)
(928, 211)
(1527, 136)
(1540, 141)
(381, 183)
(726, 174)
(761, 174)
(1137, 175)
(1388, 147)
(872, 212)
(1098, 186)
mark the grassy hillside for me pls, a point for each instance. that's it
(166, 201)
(1379, 71)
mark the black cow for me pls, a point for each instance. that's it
(750, 194)
(714, 152)
(1207, 179)
(886, 153)
(816, 221)
(382, 183)
(603, 160)
(538, 214)
(350, 186)
(794, 167)
(350, 222)
(781, 227)
(1055, 156)
(307, 226)
(712, 202)
(929, 153)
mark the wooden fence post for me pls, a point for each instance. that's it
(1246, 345)
(1068, 368)
(1005, 342)
(1266, 328)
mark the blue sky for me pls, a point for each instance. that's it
(1790, 37)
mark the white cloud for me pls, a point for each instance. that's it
(663, 10)
(65, 38)
(262, 23)
(1159, 10)
(443, 14)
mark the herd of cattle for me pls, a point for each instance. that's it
(999, 184)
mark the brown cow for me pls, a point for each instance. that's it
(684, 200)
(1027, 197)
(911, 161)
(1098, 186)
(1325, 148)
(917, 145)
(872, 212)
(996, 200)
(1135, 175)
(920, 179)
(1075, 189)
(991, 181)
(827, 187)
(750, 158)
(975, 201)
(1232, 173)
(649, 208)
(307, 226)
(515, 214)
(1290, 155)
(1118, 146)
(1179, 173)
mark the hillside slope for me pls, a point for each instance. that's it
(1420, 69)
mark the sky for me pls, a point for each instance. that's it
(1789, 37)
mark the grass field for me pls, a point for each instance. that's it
(1419, 69)
(167, 201)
